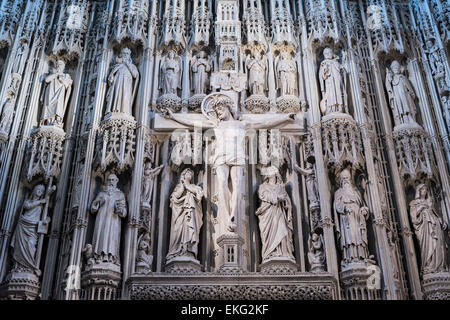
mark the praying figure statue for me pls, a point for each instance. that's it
(350, 215)
(7, 113)
(122, 91)
(187, 216)
(110, 207)
(311, 183)
(144, 258)
(332, 83)
(401, 95)
(316, 254)
(171, 69)
(147, 182)
(200, 70)
(57, 93)
(429, 229)
(275, 218)
(25, 238)
(257, 73)
(286, 74)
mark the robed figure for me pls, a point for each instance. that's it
(185, 202)
(286, 75)
(332, 83)
(110, 208)
(275, 218)
(200, 69)
(170, 73)
(429, 229)
(257, 73)
(25, 238)
(56, 97)
(350, 217)
(401, 95)
(122, 90)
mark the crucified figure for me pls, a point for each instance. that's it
(229, 153)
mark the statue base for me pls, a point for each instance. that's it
(20, 285)
(288, 104)
(183, 265)
(231, 254)
(257, 103)
(195, 102)
(168, 101)
(361, 281)
(436, 286)
(100, 281)
(278, 265)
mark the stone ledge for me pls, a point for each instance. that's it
(249, 286)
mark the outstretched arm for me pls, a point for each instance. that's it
(267, 124)
(186, 122)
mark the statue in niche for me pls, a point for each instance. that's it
(7, 113)
(286, 74)
(110, 207)
(311, 183)
(88, 254)
(332, 83)
(144, 258)
(401, 95)
(57, 93)
(429, 229)
(437, 67)
(171, 70)
(181, 148)
(147, 182)
(25, 238)
(229, 156)
(187, 215)
(350, 215)
(275, 218)
(122, 91)
(257, 67)
(316, 254)
(21, 57)
(200, 70)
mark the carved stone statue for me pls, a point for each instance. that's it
(428, 227)
(286, 75)
(401, 95)
(257, 67)
(228, 157)
(110, 207)
(187, 215)
(7, 113)
(311, 183)
(21, 57)
(332, 83)
(350, 215)
(171, 70)
(434, 58)
(25, 238)
(275, 218)
(57, 93)
(200, 70)
(144, 258)
(316, 254)
(122, 91)
(147, 182)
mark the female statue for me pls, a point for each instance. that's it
(428, 227)
(257, 73)
(25, 237)
(286, 75)
(275, 218)
(200, 69)
(170, 73)
(185, 202)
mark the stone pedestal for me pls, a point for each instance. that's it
(195, 102)
(20, 285)
(288, 104)
(360, 281)
(183, 265)
(100, 281)
(436, 286)
(278, 265)
(231, 255)
(257, 104)
(168, 101)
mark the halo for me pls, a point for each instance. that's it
(207, 105)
